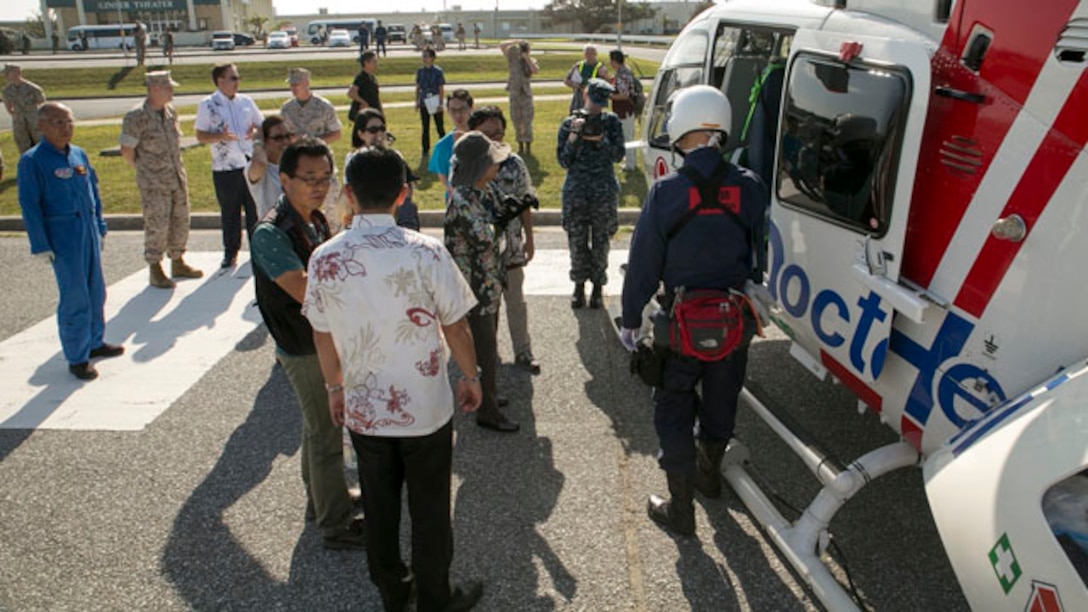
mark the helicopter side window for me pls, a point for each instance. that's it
(683, 67)
(840, 142)
(671, 81)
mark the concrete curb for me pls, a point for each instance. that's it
(210, 221)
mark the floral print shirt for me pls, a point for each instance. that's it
(472, 240)
(383, 292)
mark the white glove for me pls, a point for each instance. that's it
(629, 338)
(46, 256)
(761, 300)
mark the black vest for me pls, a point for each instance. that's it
(281, 313)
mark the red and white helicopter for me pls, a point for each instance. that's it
(928, 176)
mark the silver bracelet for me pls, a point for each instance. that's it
(334, 388)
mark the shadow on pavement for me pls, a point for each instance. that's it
(620, 396)
(509, 486)
(211, 568)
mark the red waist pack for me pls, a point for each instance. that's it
(706, 324)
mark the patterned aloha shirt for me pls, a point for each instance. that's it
(215, 114)
(474, 243)
(383, 292)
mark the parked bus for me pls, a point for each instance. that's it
(113, 36)
(315, 29)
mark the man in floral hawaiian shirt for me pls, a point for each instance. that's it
(381, 300)
(473, 241)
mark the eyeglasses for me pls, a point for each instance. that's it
(313, 181)
(234, 78)
(374, 129)
(60, 123)
(280, 137)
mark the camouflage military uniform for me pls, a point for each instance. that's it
(316, 118)
(521, 95)
(513, 180)
(590, 197)
(25, 98)
(161, 178)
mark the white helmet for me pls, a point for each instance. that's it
(699, 107)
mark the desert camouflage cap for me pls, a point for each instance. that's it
(12, 68)
(298, 75)
(160, 78)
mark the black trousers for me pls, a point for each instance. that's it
(233, 195)
(425, 120)
(485, 341)
(385, 465)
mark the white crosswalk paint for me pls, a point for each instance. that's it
(171, 339)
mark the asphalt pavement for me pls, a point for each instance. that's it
(203, 509)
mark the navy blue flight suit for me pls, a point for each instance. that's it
(711, 252)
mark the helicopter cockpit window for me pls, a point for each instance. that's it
(840, 142)
(671, 81)
(683, 67)
(1065, 506)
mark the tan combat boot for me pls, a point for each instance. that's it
(180, 269)
(158, 277)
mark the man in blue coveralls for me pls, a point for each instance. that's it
(58, 192)
(716, 247)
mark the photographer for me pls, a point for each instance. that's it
(590, 141)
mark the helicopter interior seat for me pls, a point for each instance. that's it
(741, 72)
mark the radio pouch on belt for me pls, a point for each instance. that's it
(707, 324)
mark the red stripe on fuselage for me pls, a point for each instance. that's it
(1023, 39)
(1036, 188)
(855, 384)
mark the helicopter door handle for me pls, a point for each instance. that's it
(1011, 228)
(959, 94)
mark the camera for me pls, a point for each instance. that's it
(511, 208)
(592, 123)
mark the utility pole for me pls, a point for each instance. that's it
(619, 24)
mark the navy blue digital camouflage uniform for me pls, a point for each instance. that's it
(590, 197)
(710, 252)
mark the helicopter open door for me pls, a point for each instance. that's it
(852, 117)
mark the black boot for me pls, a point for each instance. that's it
(578, 298)
(708, 462)
(676, 514)
(596, 300)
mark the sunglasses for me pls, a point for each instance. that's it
(374, 129)
(234, 78)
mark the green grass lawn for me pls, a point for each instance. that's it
(60, 83)
(118, 181)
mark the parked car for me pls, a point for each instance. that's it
(339, 38)
(278, 40)
(292, 31)
(395, 33)
(223, 40)
(241, 39)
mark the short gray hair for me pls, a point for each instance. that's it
(52, 108)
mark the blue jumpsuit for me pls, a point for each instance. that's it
(710, 252)
(62, 212)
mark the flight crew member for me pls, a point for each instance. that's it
(151, 144)
(589, 143)
(58, 194)
(711, 251)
